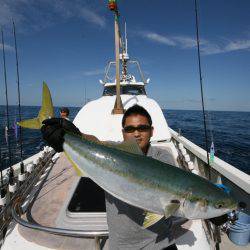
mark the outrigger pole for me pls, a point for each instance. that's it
(11, 174)
(19, 101)
(118, 108)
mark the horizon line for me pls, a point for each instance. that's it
(178, 109)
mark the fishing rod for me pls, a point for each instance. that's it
(216, 229)
(1, 173)
(11, 173)
(201, 84)
(19, 100)
(2, 190)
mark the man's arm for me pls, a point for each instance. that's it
(54, 129)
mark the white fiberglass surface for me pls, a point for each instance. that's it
(96, 118)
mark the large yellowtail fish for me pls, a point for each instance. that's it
(145, 182)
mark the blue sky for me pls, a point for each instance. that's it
(68, 43)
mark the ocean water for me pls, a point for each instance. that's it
(230, 132)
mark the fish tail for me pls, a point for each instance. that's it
(46, 111)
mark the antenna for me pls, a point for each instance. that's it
(85, 93)
(126, 41)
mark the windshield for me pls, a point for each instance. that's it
(125, 90)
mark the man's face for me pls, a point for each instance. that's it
(137, 126)
(64, 114)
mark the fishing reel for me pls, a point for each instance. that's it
(233, 216)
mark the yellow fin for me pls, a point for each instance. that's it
(46, 111)
(151, 219)
(30, 123)
(79, 171)
(129, 146)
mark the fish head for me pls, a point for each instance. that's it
(221, 206)
(215, 204)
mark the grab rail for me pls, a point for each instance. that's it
(54, 230)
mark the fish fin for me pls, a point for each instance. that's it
(171, 208)
(46, 111)
(129, 146)
(30, 123)
(79, 171)
(151, 219)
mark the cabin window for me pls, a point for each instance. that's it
(125, 90)
(88, 197)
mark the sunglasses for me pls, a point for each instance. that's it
(140, 128)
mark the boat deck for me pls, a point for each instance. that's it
(49, 202)
(47, 206)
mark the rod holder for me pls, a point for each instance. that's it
(190, 165)
(30, 168)
(36, 161)
(41, 154)
(22, 177)
(187, 158)
(183, 151)
(3, 200)
(13, 187)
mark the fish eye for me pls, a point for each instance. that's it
(219, 205)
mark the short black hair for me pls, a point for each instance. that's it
(136, 110)
(64, 110)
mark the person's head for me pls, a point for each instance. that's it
(137, 123)
(64, 112)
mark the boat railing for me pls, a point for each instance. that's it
(107, 69)
(219, 171)
(54, 230)
(21, 202)
(23, 187)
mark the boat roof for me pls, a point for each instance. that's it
(96, 118)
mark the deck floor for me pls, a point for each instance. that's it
(47, 207)
(50, 200)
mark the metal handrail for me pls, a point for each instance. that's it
(54, 230)
(106, 77)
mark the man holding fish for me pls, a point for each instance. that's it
(130, 226)
(142, 193)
